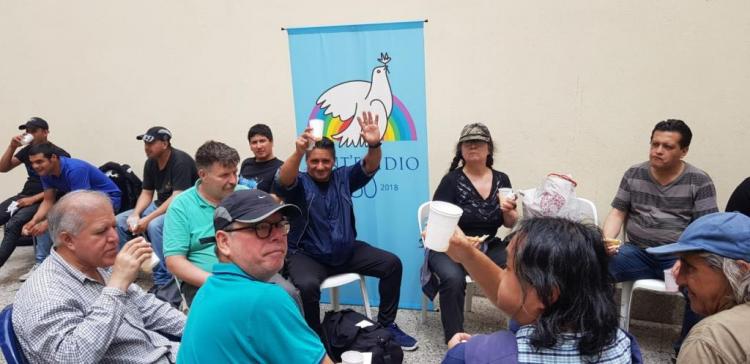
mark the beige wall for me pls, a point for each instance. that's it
(572, 86)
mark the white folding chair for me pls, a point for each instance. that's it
(422, 213)
(594, 215)
(626, 297)
(334, 282)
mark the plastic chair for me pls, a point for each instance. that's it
(594, 214)
(8, 341)
(626, 296)
(334, 282)
(422, 214)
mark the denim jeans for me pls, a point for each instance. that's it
(154, 234)
(42, 247)
(633, 263)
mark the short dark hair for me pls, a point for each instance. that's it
(260, 129)
(545, 248)
(678, 126)
(324, 143)
(47, 149)
(212, 152)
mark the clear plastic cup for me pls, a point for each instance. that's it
(148, 266)
(26, 139)
(441, 223)
(317, 130)
(669, 281)
(352, 357)
(505, 192)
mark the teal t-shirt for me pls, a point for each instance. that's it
(237, 319)
(189, 219)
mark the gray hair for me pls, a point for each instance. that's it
(67, 213)
(738, 279)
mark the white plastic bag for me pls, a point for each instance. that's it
(555, 197)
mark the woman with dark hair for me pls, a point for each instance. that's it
(557, 287)
(473, 185)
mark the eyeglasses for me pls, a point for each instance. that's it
(263, 229)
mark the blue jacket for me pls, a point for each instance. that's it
(326, 229)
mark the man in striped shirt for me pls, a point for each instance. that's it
(656, 201)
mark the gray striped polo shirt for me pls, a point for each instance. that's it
(658, 214)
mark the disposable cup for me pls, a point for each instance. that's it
(669, 281)
(505, 193)
(352, 357)
(441, 222)
(26, 139)
(317, 131)
(148, 266)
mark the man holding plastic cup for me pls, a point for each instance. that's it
(714, 267)
(17, 210)
(322, 242)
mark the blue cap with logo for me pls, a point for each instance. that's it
(726, 234)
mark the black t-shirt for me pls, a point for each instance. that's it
(179, 174)
(33, 183)
(481, 216)
(740, 200)
(261, 172)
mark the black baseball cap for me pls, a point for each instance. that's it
(34, 122)
(155, 133)
(250, 206)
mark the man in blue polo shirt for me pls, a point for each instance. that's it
(61, 175)
(238, 315)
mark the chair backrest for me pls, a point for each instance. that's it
(8, 342)
(422, 213)
(594, 215)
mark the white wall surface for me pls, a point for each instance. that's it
(572, 86)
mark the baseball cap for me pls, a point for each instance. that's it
(154, 133)
(249, 206)
(475, 131)
(726, 234)
(34, 122)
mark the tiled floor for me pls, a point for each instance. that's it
(655, 339)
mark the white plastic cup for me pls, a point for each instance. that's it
(505, 192)
(669, 281)
(441, 223)
(317, 131)
(148, 266)
(26, 139)
(352, 357)
(132, 222)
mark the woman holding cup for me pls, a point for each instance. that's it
(475, 187)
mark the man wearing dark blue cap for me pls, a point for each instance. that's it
(240, 315)
(168, 171)
(26, 202)
(714, 267)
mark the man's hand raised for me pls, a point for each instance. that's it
(127, 263)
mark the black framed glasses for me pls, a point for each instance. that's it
(263, 229)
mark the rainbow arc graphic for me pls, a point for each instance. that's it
(400, 123)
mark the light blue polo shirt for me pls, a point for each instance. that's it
(189, 227)
(237, 319)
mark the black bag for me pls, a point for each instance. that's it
(128, 183)
(341, 333)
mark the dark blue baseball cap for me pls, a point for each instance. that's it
(249, 206)
(726, 234)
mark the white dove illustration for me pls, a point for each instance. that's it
(347, 100)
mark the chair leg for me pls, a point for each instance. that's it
(626, 298)
(335, 298)
(365, 298)
(468, 297)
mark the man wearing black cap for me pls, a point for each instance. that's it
(714, 268)
(25, 203)
(263, 324)
(168, 171)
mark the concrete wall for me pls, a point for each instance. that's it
(573, 86)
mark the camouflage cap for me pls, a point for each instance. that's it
(475, 131)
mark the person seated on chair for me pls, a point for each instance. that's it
(323, 240)
(658, 199)
(261, 168)
(567, 312)
(264, 324)
(32, 194)
(81, 305)
(474, 186)
(168, 171)
(714, 267)
(740, 199)
(188, 225)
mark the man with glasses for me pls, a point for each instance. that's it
(188, 228)
(263, 324)
(168, 171)
(26, 202)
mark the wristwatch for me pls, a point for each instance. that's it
(375, 145)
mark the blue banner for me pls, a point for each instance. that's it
(337, 73)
